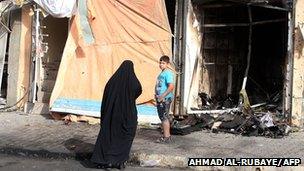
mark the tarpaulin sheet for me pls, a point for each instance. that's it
(137, 30)
(58, 8)
(192, 60)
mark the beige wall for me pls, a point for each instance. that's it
(298, 72)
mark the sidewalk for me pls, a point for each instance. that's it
(41, 136)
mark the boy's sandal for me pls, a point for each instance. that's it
(164, 140)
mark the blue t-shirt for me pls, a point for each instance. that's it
(163, 80)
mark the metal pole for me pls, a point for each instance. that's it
(176, 54)
(249, 48)
(183, 54)
(287, 108)
(35, 54)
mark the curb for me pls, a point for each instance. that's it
(158, 160)
(36, 153)
(169, 161)
(143, 160)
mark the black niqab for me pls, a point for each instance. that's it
(118, 116)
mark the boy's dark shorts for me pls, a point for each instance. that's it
(163, 109)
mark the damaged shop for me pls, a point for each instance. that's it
(32, 43)
(235, 65)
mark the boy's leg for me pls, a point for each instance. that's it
(163, 116)
(166, 122)
(166, 127)
(163, 113)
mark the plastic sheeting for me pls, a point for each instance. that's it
(301, 26)
(58, 8)
(137, 30)
(192, 61)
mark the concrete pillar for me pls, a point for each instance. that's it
(298, 70)
(19, 57)
(13, 57)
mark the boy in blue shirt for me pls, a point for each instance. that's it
(164, 96)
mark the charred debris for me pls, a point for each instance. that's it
(231, 115)
(254, 55)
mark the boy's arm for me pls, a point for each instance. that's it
(169, 89)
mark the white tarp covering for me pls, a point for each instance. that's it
(301, 26)
(58, 8)
(192, 61)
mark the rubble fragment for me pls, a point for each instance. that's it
(237, 117)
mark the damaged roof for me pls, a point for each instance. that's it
(240, 1)
(285, 4)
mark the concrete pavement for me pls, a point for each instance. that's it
(39, 136)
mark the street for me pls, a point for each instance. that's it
(17, 163)
(37, 141)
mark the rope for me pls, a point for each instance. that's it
(6, 108)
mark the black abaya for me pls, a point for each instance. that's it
(118, 116)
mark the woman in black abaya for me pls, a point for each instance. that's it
(118, 118)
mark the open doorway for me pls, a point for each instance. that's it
(227, 42)
(269, 56)
(55, 32)
(4, 42)
(236, 66)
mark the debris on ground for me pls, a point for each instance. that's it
(68, 118)
(263, 119)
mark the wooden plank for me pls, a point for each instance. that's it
(24, 58)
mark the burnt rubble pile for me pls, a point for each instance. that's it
(264, 119)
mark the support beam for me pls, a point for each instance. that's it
(182, 110)
(177, 55)
(218, 6)
(227, 25)
(271, 7)
(268, 21)
(249, 49)
(13, 57)
(244, 24)
(238, 4)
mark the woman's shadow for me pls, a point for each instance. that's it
(82, 150)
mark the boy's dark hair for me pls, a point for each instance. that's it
(165, 58)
